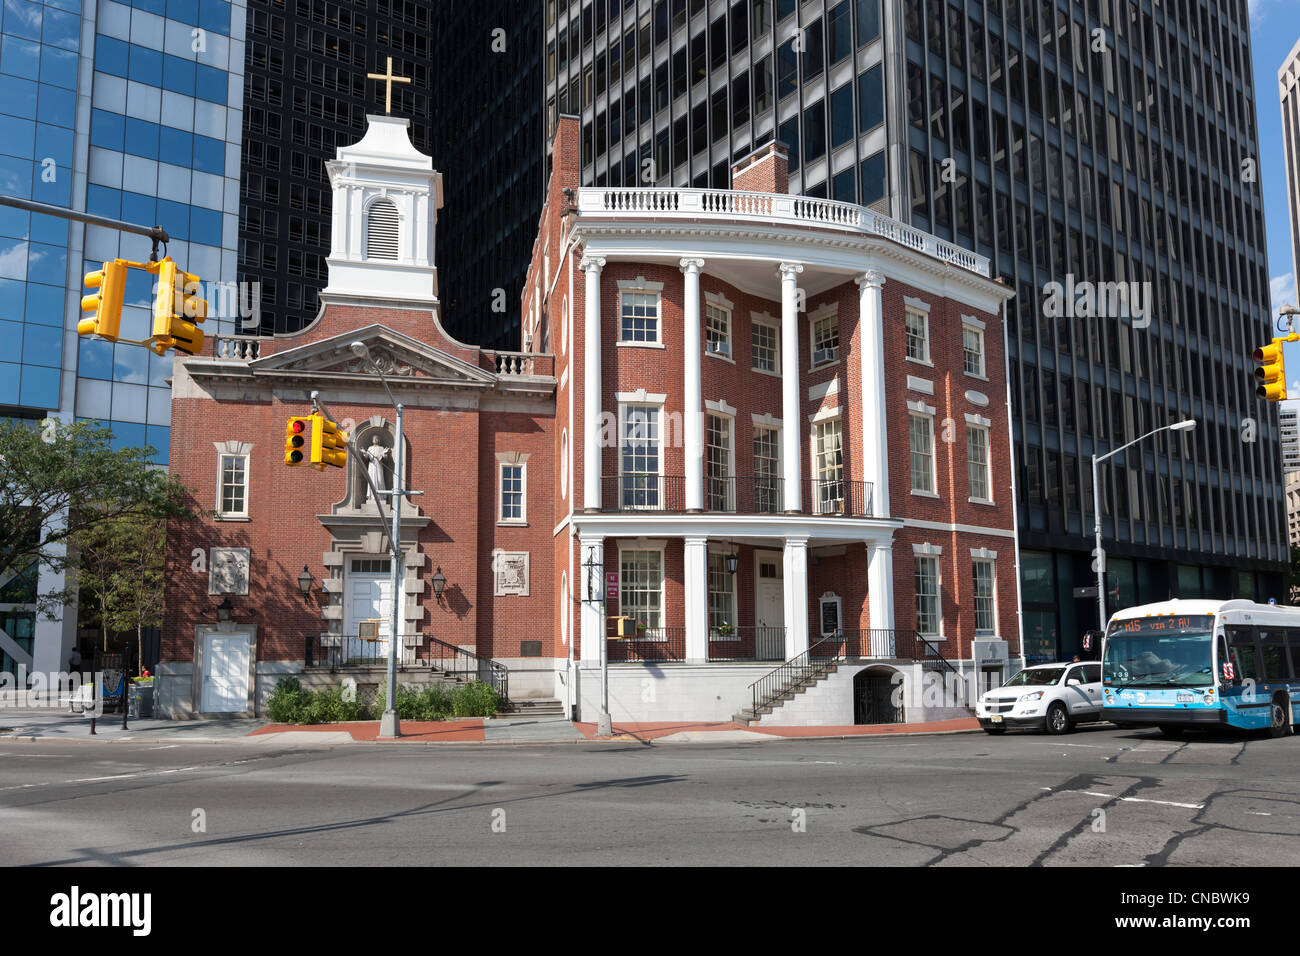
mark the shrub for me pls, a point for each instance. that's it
(475, 699)
(290, 704)
(438, 702)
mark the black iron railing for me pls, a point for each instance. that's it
(640, 491)
(338, 652)
(747, 644)
(850, 498)
(802, 669)
(650, 644)
(747, 496)
(863, 642)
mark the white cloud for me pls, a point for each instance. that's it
(1257, 10)
(1282, 292)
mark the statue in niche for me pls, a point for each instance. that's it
(375, 456)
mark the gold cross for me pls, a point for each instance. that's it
(389, 79)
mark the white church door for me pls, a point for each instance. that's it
(368, 597)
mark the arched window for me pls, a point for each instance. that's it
(381, 230)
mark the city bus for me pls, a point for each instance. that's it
(1199, 663)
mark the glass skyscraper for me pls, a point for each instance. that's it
(1070, 142)
(131, 110)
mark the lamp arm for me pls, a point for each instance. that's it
(1116, 451)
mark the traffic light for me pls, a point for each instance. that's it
(297, 434)
(1270, 376)
(177, 310)
(329, 445)
(106, 303)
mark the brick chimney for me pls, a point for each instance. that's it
(765, 170)
(566, 163)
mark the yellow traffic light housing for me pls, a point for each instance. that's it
(329, 445)
(297, 435)
(177, 309)
(106, 303)
(1270, 375)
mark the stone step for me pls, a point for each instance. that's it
(535, 707)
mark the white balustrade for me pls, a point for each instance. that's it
(688, 203)
(236, 348)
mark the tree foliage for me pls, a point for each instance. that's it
(59, 481)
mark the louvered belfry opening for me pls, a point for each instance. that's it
(381, 230)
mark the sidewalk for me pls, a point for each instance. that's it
(43, 725)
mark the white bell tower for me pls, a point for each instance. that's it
(386, 197)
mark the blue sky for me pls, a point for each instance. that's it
(1274, 29)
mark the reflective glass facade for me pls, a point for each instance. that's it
(165, 129)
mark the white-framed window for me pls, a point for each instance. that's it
(825, 339)
(232, 486)
(982, 591)
(828, 463)
(927, 595)
(920, 432)
(767, 469)
(639, 456)
(977, 462)
(638, 316)
(641, 588)
(722, 599)
(718, 462)
(832, 614)
(510, 479)
(765, 341)
(564, 464)
(918, 335)
(972, 350)
(717, 330)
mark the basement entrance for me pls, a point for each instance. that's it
(876, 699)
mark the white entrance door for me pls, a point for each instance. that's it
(368, 597)
(769, 607)
(225, 673)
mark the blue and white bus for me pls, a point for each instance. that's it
(1180, 664)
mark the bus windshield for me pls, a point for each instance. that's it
(1159, 652)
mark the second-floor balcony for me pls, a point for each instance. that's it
(760, 495)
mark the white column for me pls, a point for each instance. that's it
(593, 604)
(795, 581)
(697, 599)
(693, 395)
(791, 429)
(875, 439)
(880, 586)
(591, 387)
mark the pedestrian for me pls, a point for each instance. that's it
(74, 661)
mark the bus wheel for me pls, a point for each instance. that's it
(1279, 723)
(1172, 731)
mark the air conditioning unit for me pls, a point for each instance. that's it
(720, 348)
(823, 355)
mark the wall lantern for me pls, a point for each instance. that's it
(305, 581)
(439, 583)
(224, 609)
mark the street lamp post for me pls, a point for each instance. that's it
(595, 584)
(389, 725)
(1099, 554)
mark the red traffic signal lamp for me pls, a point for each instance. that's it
(106, 303)
(1270, 373)
(177, 309)
(297, 438)
(329, 445)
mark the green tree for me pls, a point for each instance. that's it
(1293, 576)
(119, 573)
(60, 480)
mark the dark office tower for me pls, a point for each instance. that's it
(1080, 143)
(307, 93)
(486, 86)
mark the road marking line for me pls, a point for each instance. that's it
(1163, 803)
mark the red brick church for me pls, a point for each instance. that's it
(761, 428)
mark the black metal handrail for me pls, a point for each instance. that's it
(932, 653)
(799, 670)
(650, 644)
(732, 494)
(750, 643)
(643, 491)
(335, 651)
(459, 663)
(865, 642)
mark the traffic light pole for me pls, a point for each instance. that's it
(156, 233)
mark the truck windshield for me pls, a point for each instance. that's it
(1165, 660)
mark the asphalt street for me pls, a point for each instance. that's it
(1100, 796)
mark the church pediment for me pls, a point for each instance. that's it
(398, 356)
